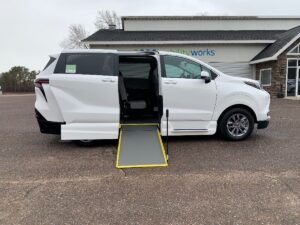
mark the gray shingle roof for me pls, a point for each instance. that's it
(282, 37)
(282, 40)
(121, 35)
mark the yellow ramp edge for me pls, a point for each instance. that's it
(142, 165)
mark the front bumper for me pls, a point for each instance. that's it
(263, 124)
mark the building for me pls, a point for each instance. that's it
(262, 48)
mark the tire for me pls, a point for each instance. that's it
(236, 124)
(85, 143)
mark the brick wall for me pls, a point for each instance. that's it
(278, 80)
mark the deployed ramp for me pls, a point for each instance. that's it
(140, 145)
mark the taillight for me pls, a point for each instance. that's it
(38, 82)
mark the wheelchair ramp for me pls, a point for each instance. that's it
(140, 145)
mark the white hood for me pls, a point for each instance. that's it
(241, 79)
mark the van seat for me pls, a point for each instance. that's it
(138, 104)
(132, 104)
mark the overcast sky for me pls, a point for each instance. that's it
(33, 29)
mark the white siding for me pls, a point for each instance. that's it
(238, 69)
(232, 59)
(223, 52)
(201, 24)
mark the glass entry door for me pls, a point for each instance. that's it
(298, 80)
(293, 78)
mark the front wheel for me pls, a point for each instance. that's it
(236, 124)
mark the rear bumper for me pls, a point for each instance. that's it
(263, 124)
(47, 127)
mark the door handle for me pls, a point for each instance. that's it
(108, 80)
(170, 82)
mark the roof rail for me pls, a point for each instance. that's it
(149, 51)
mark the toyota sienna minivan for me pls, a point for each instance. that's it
(85, 95)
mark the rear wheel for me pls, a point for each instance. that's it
(85, 143)
(236, 124)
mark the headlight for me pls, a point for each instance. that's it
(253, 84)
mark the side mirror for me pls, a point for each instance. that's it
(205, 76)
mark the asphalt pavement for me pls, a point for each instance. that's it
(208, 181)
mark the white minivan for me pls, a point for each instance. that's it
(85, 95)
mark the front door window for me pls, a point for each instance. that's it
(178, 67)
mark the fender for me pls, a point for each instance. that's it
(236, 98)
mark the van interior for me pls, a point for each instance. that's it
(140, 101)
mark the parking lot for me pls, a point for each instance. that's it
(208, 180)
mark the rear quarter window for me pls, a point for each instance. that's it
(87, 63)
(51, 60)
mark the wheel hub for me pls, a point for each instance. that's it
(237, 125)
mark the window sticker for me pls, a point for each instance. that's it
(70, 68)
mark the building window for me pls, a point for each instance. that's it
(265, 77)
(295, 51)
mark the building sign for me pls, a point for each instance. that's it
(196, 52)
(205, 52)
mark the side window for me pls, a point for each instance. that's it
(177, 67)
(173, 71)
(135, 70)
(87, 63)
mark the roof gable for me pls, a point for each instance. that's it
(283, 41)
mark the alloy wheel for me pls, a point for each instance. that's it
(237, 125)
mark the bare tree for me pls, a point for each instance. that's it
(105, 18)
(77, 33)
